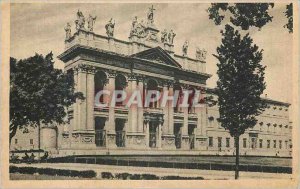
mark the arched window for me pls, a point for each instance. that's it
(152, 85)
(178, 89)
(100, 80)
(120, 85)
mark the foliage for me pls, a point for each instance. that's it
(240, 83)
(289, 15)
(243, 15)
(39, 93)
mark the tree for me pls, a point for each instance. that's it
(39, 93)
(289, 15)
(243, 15)
(240, 84)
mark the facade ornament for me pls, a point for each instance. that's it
(91, 22)
(171, 36)
(138, 29)
(110, 27)
(150, 16)
(201, 54)
(164, 36)
(185, 48)
(68, 31)
(80, 22)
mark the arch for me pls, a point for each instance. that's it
(191, 109)
(100, 80)
(120, 84)
(152, 84)
(178, 88)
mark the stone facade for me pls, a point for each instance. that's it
(144, 62)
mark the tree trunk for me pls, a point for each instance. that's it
(237, 156)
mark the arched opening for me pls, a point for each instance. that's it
(120, 85)
(178, 89)
(152, 85)
(100, 81)
(192, 92)
(100, 134)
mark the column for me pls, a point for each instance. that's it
(110, 86)
(159, 134)
(82, 104)
(90, 95)
(140, 109)
(146, 131)
(75, 105)
(110, 123)
(165, 128)
(185, 137)
(132, 115)
(171, 112)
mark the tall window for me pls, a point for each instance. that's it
(210, 142)
(260, 143)
(31, 141)
(253, 142)
(16, 141)
(219, 142)
(244, 143)
(274, 144)
(280, 144)
(268, 143)
(227, 142)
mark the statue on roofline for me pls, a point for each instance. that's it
(80, 20)
(164, 36)
(110, 27)
(185, 48)
(150, 15)
(171, 36)
(201, 54)
(91, 22)
(68, 31)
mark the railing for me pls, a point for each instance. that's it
(120, 138)
(100, 136)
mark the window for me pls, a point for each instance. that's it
(286, 144)
(260, 143)
(253, 142)
(274, 144)
(280, 144)
(227, 142)
(268, 143)
(31, 141)
(210, 142)
(16, 141)
(244, 143)
(219, 142)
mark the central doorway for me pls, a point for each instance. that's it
(153, 134)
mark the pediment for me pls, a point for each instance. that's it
(158, 55)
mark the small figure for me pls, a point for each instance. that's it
(80, 20)
(91, 22)
(133, 26)
(140, 29)
(171, 36)
(110, 26)
(68, 31)
(31, 158)
(185, 48)
(150, 15)
(164, 36)
(201, 54)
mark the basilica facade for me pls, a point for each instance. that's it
(147, 61)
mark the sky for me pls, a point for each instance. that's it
(39, 28)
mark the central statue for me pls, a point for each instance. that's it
(150, 15)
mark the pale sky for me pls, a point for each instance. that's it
(39, 28)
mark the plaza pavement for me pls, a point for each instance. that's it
(206, 174)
